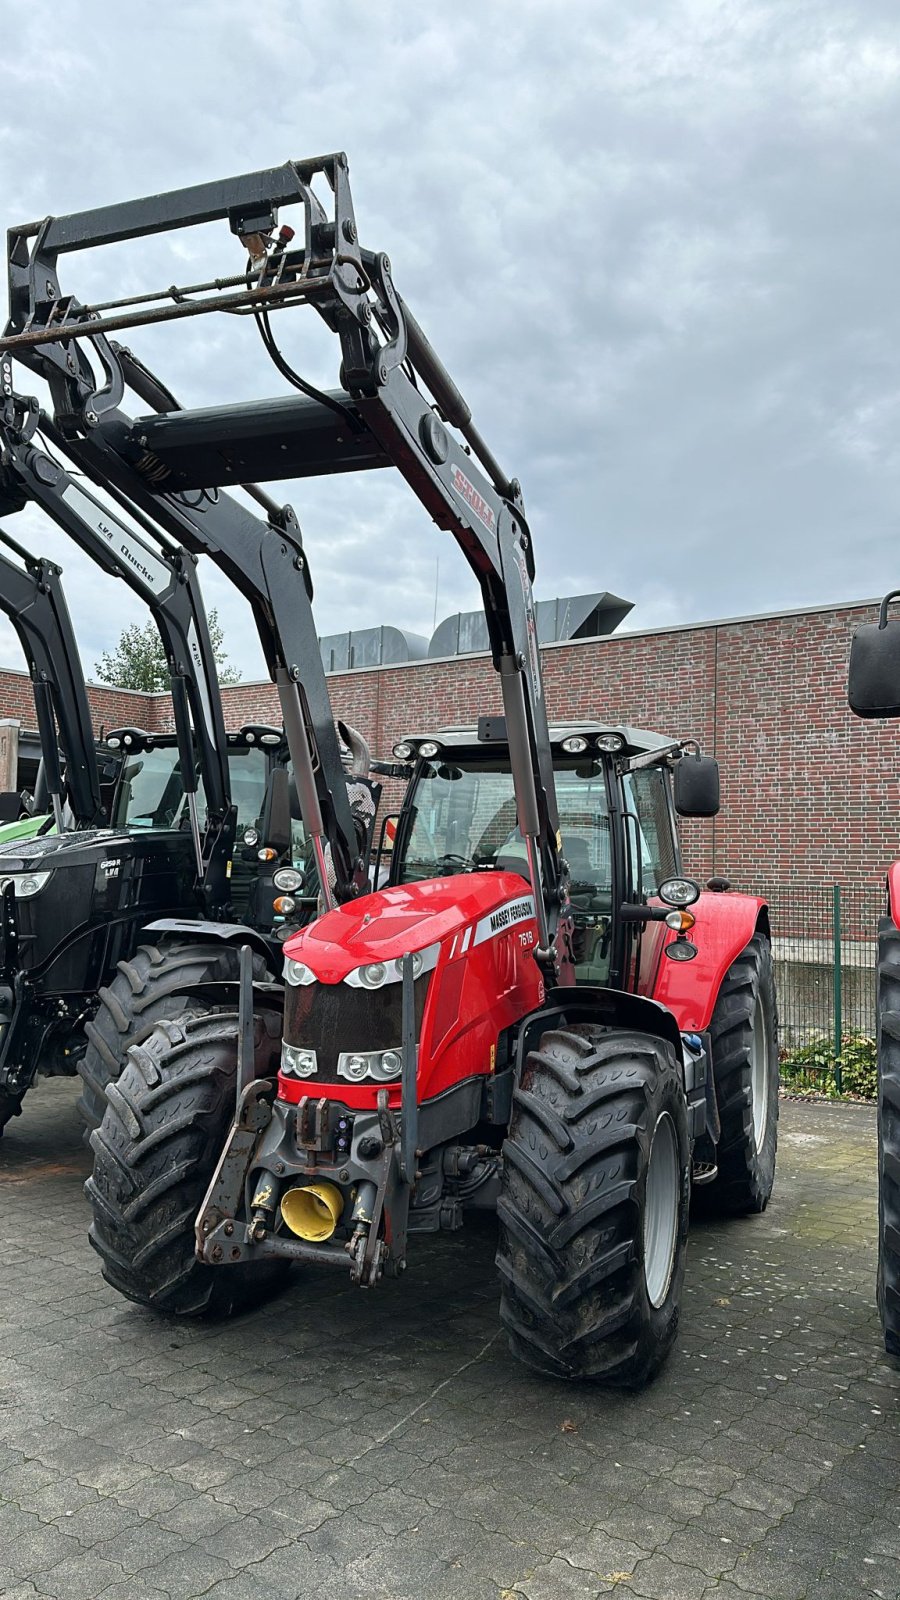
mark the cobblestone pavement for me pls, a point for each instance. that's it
(342, 1444)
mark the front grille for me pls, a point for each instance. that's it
(332, 1018)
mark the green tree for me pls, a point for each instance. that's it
(139, 661)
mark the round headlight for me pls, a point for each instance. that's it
(391, 1063)
(679, 891)
(403, 751)
(575, 744)
(417, 964)
(30, 883)
(289, 879)
(250, 736)
(429, 749)
(373, 976)
(297, 972)
(251, 836)
(610, 742)
(356, 1067)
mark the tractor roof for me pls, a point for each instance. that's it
(637, 740)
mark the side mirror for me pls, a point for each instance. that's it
(873, 685)
(697, 786)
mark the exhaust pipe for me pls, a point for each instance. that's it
(359, 759)
(312, 1211)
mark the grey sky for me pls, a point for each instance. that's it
(656, 244)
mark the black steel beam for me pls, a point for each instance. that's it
(223, 446)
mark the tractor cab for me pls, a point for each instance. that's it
(617, 823)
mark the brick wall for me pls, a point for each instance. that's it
(809, 793)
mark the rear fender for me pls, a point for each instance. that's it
(725, 925)
(893, 893)
(610, 1008)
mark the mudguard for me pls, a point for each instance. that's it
(229, 932)
(893, 889)
(725, 925)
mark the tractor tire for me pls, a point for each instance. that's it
(888, 1282)
(594, 1206)
(744, 1041)
(152, 986)
(155, 1152)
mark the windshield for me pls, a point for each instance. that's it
(151, 794)
(465, 819)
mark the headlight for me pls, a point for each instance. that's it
(377, 973)
(296, 973)
(382, 1065)
(403, 750)
(679, 891)
(251, 837)
(374, 975)
(296, 1063)
(428, 749)
(575, 744)
(610, 742)
(288, 879)
(27, 884)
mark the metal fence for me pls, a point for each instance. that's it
(823, 942)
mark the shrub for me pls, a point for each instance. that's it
(812, 1066)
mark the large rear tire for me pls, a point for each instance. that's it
(744, 1039)
(594, 1206)
(152, 986)
(155, 1152)
(888, 1282)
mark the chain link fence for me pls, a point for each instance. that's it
(823, 942)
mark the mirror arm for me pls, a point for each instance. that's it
(632, 911)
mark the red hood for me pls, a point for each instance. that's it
(393, 922)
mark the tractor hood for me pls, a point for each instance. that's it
(394, 922)
(52, 850)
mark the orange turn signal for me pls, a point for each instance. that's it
(681, 921)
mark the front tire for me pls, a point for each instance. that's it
(888, 1282)
(155, 1152)
(152, 986)
(594, 1206)
(744, 1039)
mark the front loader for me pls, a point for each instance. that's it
(432, 1048)
(874, 691)
(110, 935)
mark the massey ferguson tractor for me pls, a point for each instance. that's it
(874, 691)
(540, 1012)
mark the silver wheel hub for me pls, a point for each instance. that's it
(759, 1074)
(661, 1204)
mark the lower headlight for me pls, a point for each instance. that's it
(382, 1065)
(297, 1063)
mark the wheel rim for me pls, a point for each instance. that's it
(759, 1074)
(661, 1210)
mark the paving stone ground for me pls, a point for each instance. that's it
(342, 1444)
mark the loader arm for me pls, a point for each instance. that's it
(165, 578)
(32, 598)
(380, 416)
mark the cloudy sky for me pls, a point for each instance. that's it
(655, 242)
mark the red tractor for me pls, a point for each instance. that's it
(874, 691)
(539, 1012)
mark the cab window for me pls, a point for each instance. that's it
(647, 800)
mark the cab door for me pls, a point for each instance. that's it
(652, 856)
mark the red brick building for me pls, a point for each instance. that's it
(809, 793)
